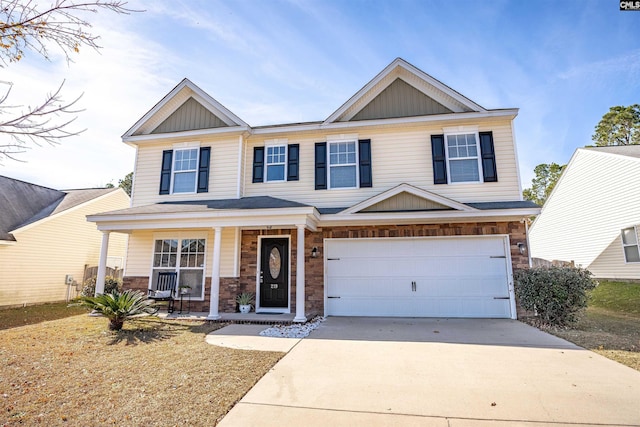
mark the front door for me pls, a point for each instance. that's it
(274, 273)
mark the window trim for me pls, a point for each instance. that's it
(194, 171)
(478, 157)
(284, 146)
(356, 164)
(180, 237)
(625, 245)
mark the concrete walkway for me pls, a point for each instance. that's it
(447, 372)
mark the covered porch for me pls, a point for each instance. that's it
(268, 217)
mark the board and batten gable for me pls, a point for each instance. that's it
(223, 170)
(399, 155)
(34, 268)
(596, 197)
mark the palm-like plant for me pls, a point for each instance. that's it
(118, 307)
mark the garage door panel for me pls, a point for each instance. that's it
(454, 277)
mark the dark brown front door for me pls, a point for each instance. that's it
(274, 273)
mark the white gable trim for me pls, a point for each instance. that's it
(199, 95)
(396, 67)
(407, 188)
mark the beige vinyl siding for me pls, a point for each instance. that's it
(33, 270)
(140, 250)
(398, 156)
(223, 172)
(610, 263)
(596, 197)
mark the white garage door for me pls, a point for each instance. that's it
(419, 277)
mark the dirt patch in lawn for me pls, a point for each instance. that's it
(612, 334)
(31, 314)
(154, 372)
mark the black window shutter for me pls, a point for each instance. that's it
(439, 159)
(293, 157)
(165, 172)
(258, 164)
(364, 150)
(489, 170)
(321, 165)
(203, 169)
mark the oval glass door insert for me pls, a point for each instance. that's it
(275, 263)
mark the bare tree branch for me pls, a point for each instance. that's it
(26, 26)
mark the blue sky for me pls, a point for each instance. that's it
(562, 63)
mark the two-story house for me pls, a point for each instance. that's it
(403, 202)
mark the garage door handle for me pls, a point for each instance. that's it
(500, 297)
(333, 297)
(497, 256)
(333, 259)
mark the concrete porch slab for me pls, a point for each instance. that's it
(247, 337)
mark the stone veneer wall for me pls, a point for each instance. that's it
(314, 267)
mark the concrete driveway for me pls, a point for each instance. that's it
(439, 372)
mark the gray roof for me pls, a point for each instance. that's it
(624, 150)
(258, 202)
(22, 203)
(517, 204)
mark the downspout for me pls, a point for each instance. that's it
(239, 192)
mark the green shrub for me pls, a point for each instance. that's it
(110, 284)
(118, 307)
(557, 294)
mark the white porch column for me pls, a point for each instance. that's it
(102, 264)
(300, 317)
(215, 275)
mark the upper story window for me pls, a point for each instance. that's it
(462, 155)
(343, 165)
(630, 245)
(184, 170)
(276, 162)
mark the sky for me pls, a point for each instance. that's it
(563, 63)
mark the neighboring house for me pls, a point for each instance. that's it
(592, 216)
(45, 236)
(403, 202)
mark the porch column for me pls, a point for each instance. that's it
(300, 317)
(215, 276)
(102, 264)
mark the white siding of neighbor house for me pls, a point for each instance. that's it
(398, 156)
(223, 171)
(596, 197)
(33, 270)
(610, 263)
(141, 250)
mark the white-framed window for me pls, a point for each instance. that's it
(185, 170)
(276, 161)
(630, 244)
(463, 159)
(343, 164)
(185, 257)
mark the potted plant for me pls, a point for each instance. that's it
(245, 301)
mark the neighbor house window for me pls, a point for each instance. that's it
(462, 157)
(183, 256)
(185, 164)
(630, 245)
(343, 165)
(276, 160)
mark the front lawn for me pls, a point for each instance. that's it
(611, 323)
(72, 371)
(21, 316)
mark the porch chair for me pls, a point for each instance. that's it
(165, 289)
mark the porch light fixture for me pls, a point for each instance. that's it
(314, 252)
(522, 248)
